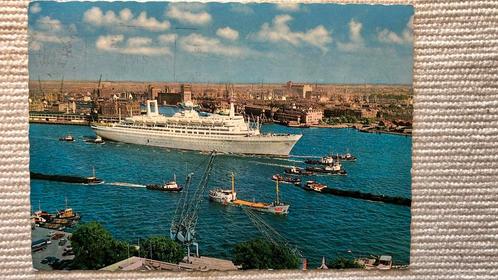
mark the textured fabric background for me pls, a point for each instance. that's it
(455, 151)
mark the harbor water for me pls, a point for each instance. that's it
(317, 224)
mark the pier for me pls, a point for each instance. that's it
(368, 196)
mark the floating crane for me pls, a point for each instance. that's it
(186, 213)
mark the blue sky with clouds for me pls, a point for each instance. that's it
(324, 43)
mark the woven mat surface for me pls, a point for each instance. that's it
(455, 151)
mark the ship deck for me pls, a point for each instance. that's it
(240, 202)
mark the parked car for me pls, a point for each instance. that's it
(62, 242)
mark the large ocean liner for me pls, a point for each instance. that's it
(188, 130)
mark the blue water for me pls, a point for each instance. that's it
(318, 224)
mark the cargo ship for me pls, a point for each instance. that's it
(188, 130)
(229, 197)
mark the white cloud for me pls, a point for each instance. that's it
(133, 45)
(167, 38)
(389, 37)
(196, 43)
(35, 8)
(356, 41)
(228, 33)
(49, 30)
(189, 14)
(125, 19)
(279, 31)
(48, 24)
(288, 7)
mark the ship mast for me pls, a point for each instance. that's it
(233, 184)
(276, 186)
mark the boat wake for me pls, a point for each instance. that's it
(271, 164)
(124, 184)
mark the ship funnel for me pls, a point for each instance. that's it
(232, 109)
(152, 108)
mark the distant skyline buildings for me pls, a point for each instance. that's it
(221, 43)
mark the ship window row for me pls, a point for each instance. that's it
(162, 127)
(185, 131)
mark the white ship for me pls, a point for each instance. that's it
(187, 130)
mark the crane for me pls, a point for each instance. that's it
(61, 89)
(186, 212)
(40, 89)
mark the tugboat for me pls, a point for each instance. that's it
(289, 180)
(170, 186)
(326, 160)
(345, 157)
(298, 171)
(67, 138)
(67, 213)
(93, 180)
(229, 197)
(333, 169)
(314, 186)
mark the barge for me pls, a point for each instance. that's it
(229, 197)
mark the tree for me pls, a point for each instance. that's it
(341, 263)
(95, 248)
(261, 254)
(161, 248)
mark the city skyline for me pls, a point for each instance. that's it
(221, 43)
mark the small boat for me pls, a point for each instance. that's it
(229, 197)
(298, 171)
(314, 186)
(67, 138)
(67, 213)
(288, 179)
(345, 157)
(93, 180)
(333, 169)
(97, 140)
(326, 160)
(170, 186)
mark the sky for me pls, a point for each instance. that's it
(221, 42)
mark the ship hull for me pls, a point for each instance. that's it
(275, 145)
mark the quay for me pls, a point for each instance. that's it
(67, 119)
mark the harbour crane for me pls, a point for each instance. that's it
(186, 213)
(40, 89)
(61, 89)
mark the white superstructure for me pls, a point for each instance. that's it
(187, 130)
